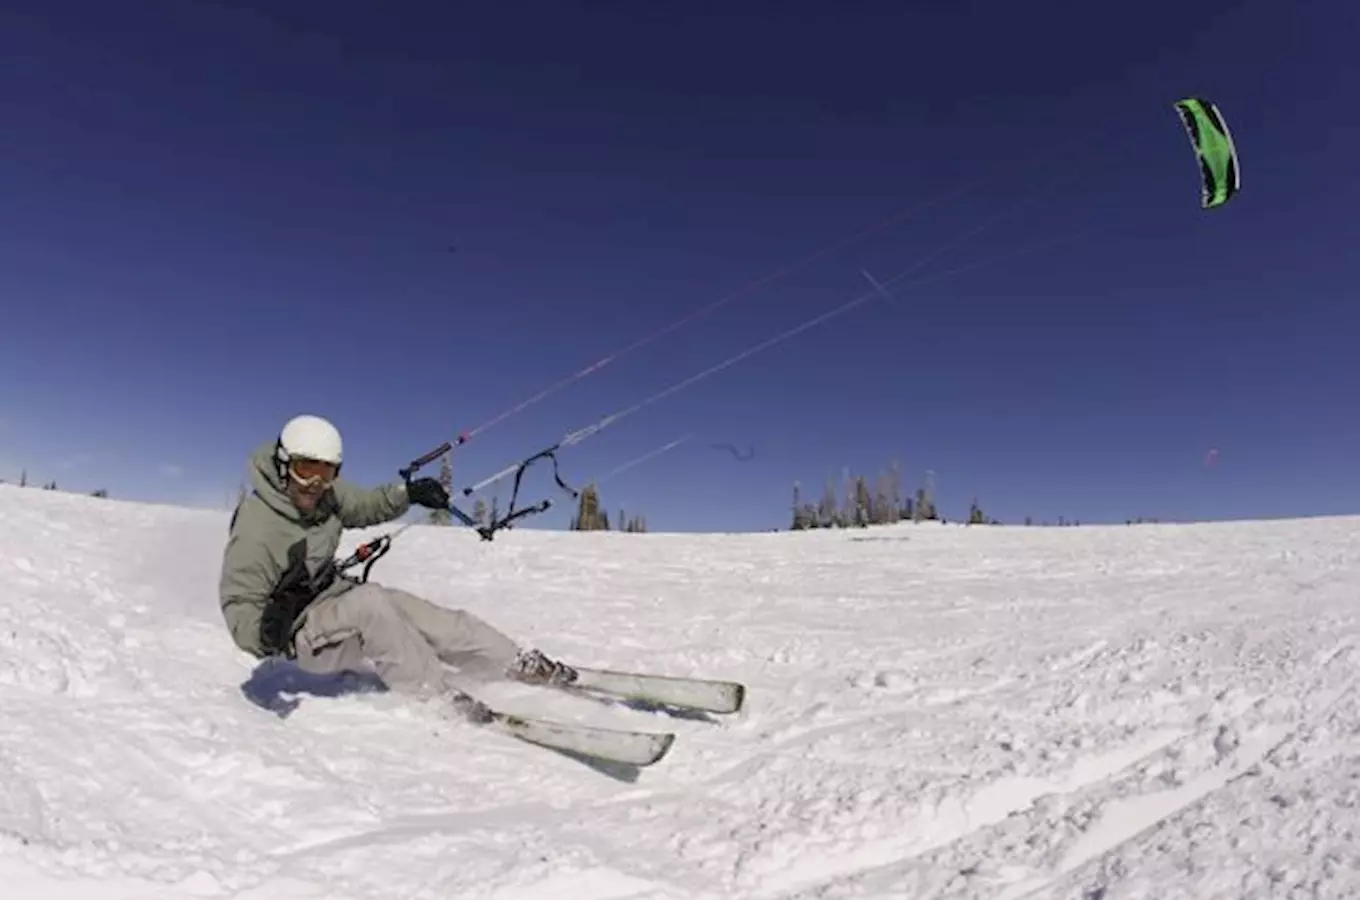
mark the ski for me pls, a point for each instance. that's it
(638, 748)
(705, 694)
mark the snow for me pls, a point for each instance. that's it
(1161, 711)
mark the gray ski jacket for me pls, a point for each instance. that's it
(266, 526)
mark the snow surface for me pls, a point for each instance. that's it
(933, 711)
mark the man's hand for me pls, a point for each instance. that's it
(428, 493)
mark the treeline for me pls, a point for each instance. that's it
(51, 485)
(862, 503)
(1061, 523)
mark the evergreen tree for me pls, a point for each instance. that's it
(863, 504)
(826, 507)
(589, 516)
(443, 516)
(847, 511)
(795, 518)
(924, 510)
(895, 492)
(885, 510)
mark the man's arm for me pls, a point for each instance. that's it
(359, 508)
(247, 580)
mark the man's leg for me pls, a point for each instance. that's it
(473, 645)
(365, 623)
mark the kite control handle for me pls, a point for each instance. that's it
(367, 554)
(425, 460)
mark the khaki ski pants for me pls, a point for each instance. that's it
(407, 639)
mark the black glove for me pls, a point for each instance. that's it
(428, 493)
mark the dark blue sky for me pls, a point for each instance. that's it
(219, 215)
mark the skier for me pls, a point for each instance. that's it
(281, 595)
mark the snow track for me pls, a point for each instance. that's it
(1151, 711)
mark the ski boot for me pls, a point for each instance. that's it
(470, 708)
(532, 667)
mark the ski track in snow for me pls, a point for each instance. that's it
(1161, 711)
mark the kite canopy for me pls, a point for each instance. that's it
(1214, 149)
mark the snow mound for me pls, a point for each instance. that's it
(1098, 712)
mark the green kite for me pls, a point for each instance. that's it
(1214, 149)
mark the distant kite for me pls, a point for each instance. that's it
(1211, 458)
(736, 452)
(1219, 173)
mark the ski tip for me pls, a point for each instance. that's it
(738, 697)
(664, 742)
(731, 700)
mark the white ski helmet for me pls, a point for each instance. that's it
(308, 437)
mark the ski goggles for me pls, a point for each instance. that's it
(312, 472)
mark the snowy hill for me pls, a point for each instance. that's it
(1151, 711)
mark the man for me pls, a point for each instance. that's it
(281, 595)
